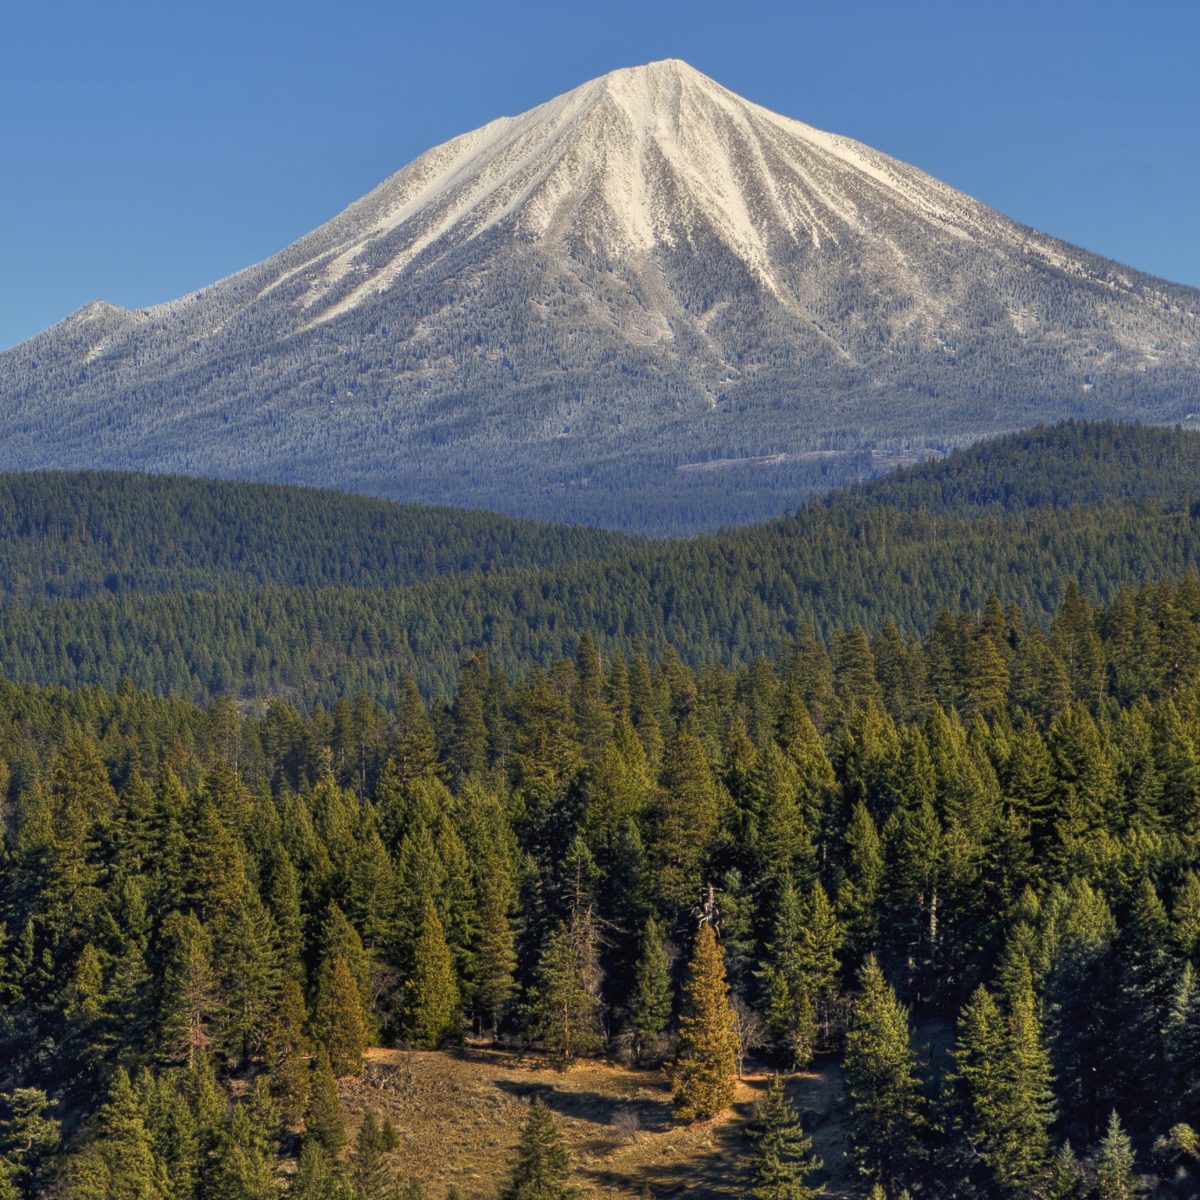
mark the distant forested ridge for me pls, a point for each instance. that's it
(1103, 506)
(66, 534)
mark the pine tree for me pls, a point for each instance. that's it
(323, 1118)
(650, 1001)
(1004, 1075)
(126, 1144)
(861, 879)
(416, 747)
(565, 1001)
(28, 1137)
(783, 1157)
(1066, 1175)
(683, 823)
(1115, 1178)
(881, 1076)
(244, 1168)
(433, 1013)
(542, 1166)
(370, 1175)
(338, 1021)
(704, 1073)
(251, 976)
(316, 1177)
(82, 1176)
(190, 1004)
(288, 1051)
(820, 943)
(790, 1012)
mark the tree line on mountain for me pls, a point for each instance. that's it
(966, 868)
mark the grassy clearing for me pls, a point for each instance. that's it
(459, 1115)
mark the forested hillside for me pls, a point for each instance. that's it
(966, 868)
(1105, 506)
(70, 534)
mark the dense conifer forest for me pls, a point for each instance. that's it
(193, 596)
(905, 786)
(965, 867)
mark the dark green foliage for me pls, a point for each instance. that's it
(316, 1175)
(370, 1175)
(1019, 518)
(542, 1166)
(782, 1159)
(203, 909)
(1115, 1177)
(72, 534)
(650, 1000)
(1003, 1076)
(433, 1015)
(323, 1117)
(565, 995)
(881, 1077)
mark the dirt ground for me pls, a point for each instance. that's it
(459, 1114)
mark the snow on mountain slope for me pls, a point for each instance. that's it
(555, 312)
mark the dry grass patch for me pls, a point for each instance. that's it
(459, 1115)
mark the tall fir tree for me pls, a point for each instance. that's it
(565, 999)
(1003, 1072)
(542, 1166)
(887, 1114)
(338, 1021)
(1115, 1175)
(704, 1071)
(323, 1117)
(434, 1006)
(650, 999)
(782, 1160)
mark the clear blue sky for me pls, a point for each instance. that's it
(147, 149)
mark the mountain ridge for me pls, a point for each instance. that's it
(552, 314)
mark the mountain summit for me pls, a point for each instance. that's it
(647, 302)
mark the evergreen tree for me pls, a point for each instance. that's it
(244, 1168)
(887, 1114)
(782, 1159)
(683, 824)
(323, 1118)
(338, 1021)
(650, 1001)
(542, 1166)
(125, 1144)
(434, 1005)
(1115, 1178)
(288, 1051)
(704, 1072)
(370, 1175)
(190, 999)
(316, 1177)
(1004, 1075)
(1066, 1175)
(29, 1135)
(790, 1012)
(860, 882)
(494, 958)
(565, 1002)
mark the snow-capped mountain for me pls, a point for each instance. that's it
(604, 309)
